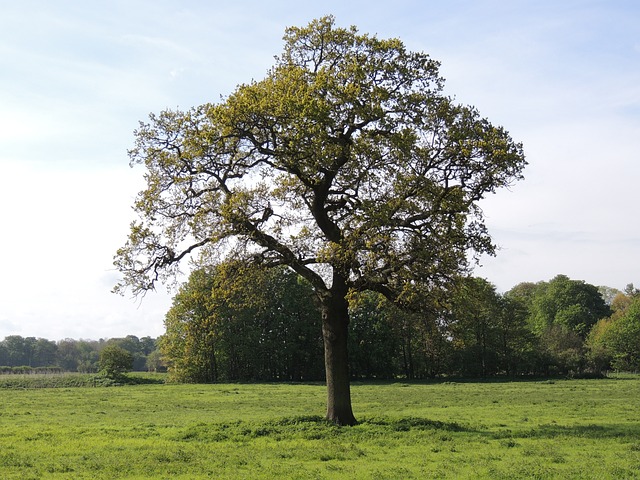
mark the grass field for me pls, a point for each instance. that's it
(544, 429)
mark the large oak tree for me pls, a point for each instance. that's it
(347, 163)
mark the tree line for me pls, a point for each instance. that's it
(235, 322)
(238, 322)
(38, 355)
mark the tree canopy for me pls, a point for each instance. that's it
(571, 304)
(347, 163)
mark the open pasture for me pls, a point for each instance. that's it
(533, 429)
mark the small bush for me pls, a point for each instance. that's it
(115, 361)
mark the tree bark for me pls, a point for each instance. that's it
(335, 325)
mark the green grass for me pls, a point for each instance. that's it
(499, 430)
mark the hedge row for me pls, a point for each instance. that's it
(26, 370)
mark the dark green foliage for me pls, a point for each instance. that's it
(373, 341)
(22, 351)
(139, 348)
(115, 361)
(560, 351)
(240, 323)
(474, 322)
(425, 347)
(189, 344)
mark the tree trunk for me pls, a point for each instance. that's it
(335, 324)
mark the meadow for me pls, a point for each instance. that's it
(499, 430)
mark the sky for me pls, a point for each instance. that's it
(76, 77)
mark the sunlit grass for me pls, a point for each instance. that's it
(549, 429)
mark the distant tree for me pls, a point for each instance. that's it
(4, 355)
(135, 347)
(599, 353)
(615, 341)
(572, 304)
(147, 345)
(524, 293)
(620, 303)
(242, 322)
(345, 163)
(471, 330)
(560, 313)
(631, 291)
(561, 351)
(44, 353)
(115, 361)
(19, 350)
(474, 321)
(517, 352)
(428, 349)
(624, 338)
(88, 352)
(155, 362)
(189, 343)
(373, 342)
(608, 294)
(68, 354)
(130, 343)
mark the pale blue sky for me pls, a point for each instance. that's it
(562, 76)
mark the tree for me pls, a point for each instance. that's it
(624, 338)
(620, 303)
(608, 294)
(560, 313)
(560, 351)
(346, 163)
(474, 319)
(572, 304)
(88, 352)
(115, 361)
(372, 339)
(631, 291)
(615, 341)
(68, 354)
(147, 345)
(242, 322)
(135, 347)
(155, 362)
(518, 343)
(44, 353)
(188, 344)
(4, 355)
(19, 350)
